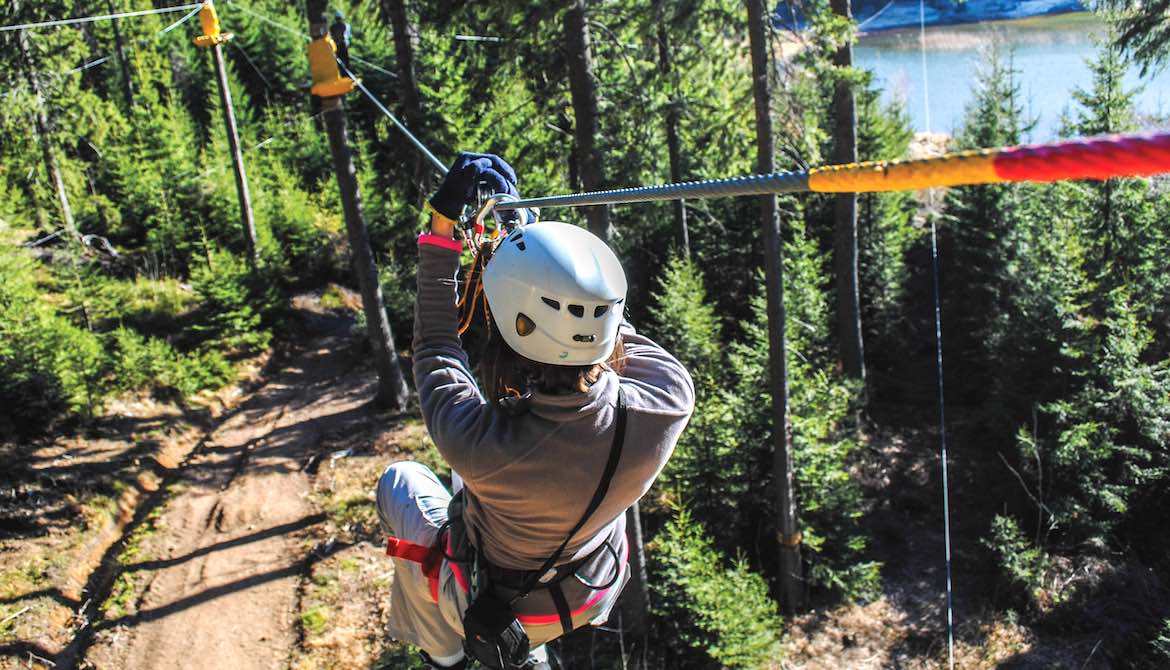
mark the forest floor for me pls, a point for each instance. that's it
(240, 533)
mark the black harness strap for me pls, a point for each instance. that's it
(562, 605)
(615, 454)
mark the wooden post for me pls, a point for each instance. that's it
(673, 145)
(845, 213)
(392, 391)
(583, 90)
(791, 572)
(123, 64)
(229, 117)
(44, 131)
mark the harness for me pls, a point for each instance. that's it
(549, 576)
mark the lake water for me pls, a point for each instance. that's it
(1049, 52)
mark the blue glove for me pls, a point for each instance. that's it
(459, 187)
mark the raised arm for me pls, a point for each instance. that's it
(455, 412)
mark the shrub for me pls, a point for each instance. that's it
(1161, 643)
(722, 612)
(48, 365)
(1021, 561)
(238, 303)
(152, 363)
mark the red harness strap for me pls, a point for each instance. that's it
(430, 559)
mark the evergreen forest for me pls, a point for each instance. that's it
(138, 318)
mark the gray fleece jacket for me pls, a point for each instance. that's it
(529, 476)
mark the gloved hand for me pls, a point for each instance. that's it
(469, 170)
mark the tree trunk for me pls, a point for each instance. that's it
(636, 600)
(583, 88)
(845, 214)
(392, 390)
(44, 132)
(672, 141)
(405, 41)
(791, 578)
(123, 64)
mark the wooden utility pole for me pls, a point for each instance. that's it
(44, 131)
(673, 146)
(229, 117)
(392, 391)
(845, 211)
(212, 38)
(791, 572)
(123, 64)
(583, 90)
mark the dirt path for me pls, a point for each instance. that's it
(217, 582)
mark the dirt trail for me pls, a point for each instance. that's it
(219, 577)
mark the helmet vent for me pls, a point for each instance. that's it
(551, 303)
(520, 246)
(577, 311)
(584, 338)
(524, 325)
(600, 311)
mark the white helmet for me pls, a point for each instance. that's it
(557, 293)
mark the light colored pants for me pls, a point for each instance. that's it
(412, 506)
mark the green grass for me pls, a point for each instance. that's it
(122, 597)
(356, 511)
(332, 298)
(314, 620)
(25, 578)
(399, 656)
(124, 593)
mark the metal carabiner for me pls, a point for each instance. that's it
(487, 205)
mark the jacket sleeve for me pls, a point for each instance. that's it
(660, 383)
(453, 408)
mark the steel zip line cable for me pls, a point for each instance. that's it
(1093, 158)
(98, 61)
(102, 17)
(438, 164)
(938, 345)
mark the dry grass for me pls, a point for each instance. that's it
(345, 601)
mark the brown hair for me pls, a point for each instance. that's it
(506, 373)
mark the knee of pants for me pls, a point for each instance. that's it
(411, 500)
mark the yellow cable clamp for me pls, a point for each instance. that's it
(209, 20)
(327, 79)
(793, 540)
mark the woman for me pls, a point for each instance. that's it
(568, 388)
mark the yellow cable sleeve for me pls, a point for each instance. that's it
(968, 167)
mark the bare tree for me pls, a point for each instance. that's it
(673, 149)
(583, 88)
(405, 42)
(845, 212)
(791, 578)
(44, 130)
